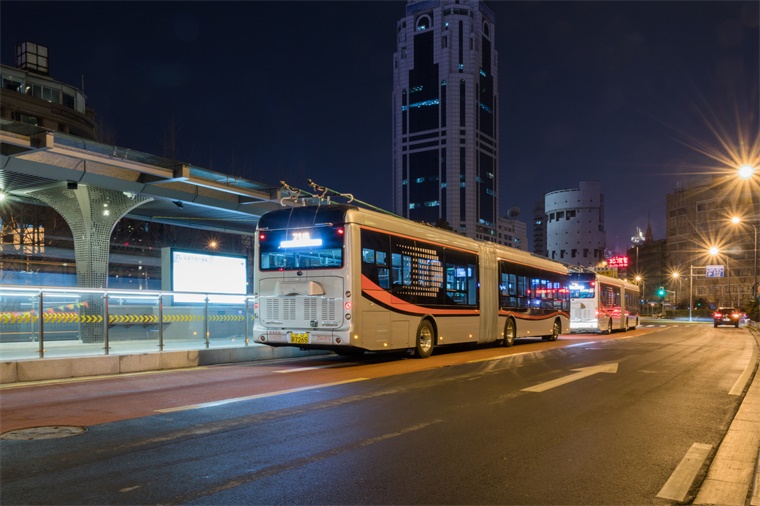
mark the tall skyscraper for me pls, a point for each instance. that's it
(445, 116)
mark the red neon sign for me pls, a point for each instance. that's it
(618, 261)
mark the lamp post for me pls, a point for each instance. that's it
(642, 284)
(691, 289)
(676, 277)
(714, 251)
(736, 220)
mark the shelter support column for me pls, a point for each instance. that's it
(92, 214)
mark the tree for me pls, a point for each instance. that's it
(442, 223)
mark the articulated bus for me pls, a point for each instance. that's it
(350, 280)
(602, 304)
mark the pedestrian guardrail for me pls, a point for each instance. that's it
(39, 322)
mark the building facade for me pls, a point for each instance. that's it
(512, 232)
(699, 218)
(445, 116)
(575, 224)
(539, 229)
(29, 95)
(648, 269)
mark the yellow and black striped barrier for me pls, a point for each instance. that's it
(124, 319)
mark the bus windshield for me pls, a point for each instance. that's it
(319, 247)
(582, 286)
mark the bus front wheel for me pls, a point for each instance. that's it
(510, 332)
(425, 338)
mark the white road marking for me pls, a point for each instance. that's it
(488, 359)
(742, 380)
(580, 344)
(311, 368)
(130, 489)
(680, 481)
(257, 396)
(583, 372)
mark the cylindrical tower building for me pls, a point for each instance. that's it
(575, 224)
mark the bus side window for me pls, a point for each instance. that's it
(369, 268)
(383, 273)
(396, 269)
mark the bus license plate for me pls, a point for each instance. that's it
(299, 338)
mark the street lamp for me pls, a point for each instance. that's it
(746, 171)
(642, 284)
(736, 220)
(676, 277)
(691, 289)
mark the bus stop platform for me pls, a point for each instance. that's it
(125, 362)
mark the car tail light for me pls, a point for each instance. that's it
(718, 315)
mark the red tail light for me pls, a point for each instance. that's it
(718, 315)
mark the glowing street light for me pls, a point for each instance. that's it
(676, 277)
(642, 294)
(746, 171)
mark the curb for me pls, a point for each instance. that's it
(733, 478)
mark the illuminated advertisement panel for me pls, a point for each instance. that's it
(193, 271)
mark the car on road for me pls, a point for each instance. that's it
(727, 316)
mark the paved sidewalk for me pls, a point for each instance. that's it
(733, 477)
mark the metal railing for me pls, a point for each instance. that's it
(39, 322)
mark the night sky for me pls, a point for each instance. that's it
(636, 95)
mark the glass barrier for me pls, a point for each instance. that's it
(46, 322)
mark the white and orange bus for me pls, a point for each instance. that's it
(348, 279)
(602, 304)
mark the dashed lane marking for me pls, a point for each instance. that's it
(257, 396)
(680, 481)
(310, 368)
(745, 376)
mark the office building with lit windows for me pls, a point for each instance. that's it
(512, 232)
(445, 119)
(539, 228)
(700, 233)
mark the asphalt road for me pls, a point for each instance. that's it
(585, 420)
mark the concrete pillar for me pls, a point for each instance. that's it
(92, 214)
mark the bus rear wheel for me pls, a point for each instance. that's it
(510, 332)
(425, 338)
(556, 329)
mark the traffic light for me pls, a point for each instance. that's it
(661, 292)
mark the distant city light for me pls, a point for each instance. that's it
(746, 171)
(714, 250)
